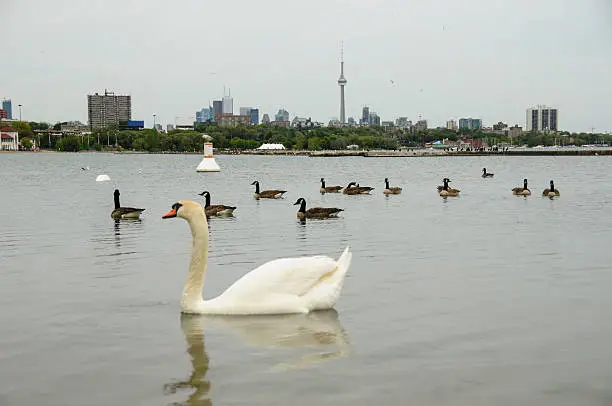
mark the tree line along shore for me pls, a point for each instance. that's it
(314, 141)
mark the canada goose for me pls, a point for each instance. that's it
(486, 174)
(119, 212)
(552, 192)
(354, 189)
(315, 212)
(267, 194)
(446, 191)
(216, 209)
(446, 181)
(391, 190)
(329, 189)
(522, 191)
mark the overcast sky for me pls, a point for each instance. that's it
(447, 58)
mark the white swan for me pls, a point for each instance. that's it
(287, 285)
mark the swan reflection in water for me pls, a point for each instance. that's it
(317, 330)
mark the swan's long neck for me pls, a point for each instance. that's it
(192, 292)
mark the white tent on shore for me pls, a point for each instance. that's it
(272, 146)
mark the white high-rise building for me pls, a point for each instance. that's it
(228, 105)
(542, 118)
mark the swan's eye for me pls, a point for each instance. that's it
(177, 206)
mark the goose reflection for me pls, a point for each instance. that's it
(320, 333)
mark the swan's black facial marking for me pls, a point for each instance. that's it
(177, 206)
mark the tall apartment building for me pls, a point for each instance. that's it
(542, 118)
(108, 109)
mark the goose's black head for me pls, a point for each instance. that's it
(322, 179)
(116, 192)
(484, 170)
(299, 201)
(255, 183)
(386, 179)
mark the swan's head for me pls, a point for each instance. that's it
(184, 209)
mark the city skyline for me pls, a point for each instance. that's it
(441, 65)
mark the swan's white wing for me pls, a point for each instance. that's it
(286, 276)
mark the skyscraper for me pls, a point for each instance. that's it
(228, 105)
(254, 116)
(7, 105)
(365, 115)
(108, 109)
(217, 108)
(542, 118)
(342, 83)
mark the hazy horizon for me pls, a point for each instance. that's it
(439, 59)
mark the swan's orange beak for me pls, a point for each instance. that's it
(170, 214)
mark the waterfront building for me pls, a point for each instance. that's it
(542, 118)
(108, 109)
(9, 139)
(451, 125)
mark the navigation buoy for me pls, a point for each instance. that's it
(102, 178)
(208, 163)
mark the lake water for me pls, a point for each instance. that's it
(483, 299)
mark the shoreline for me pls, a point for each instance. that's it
(365, 154)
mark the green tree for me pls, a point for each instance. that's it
(26, 143)
(23, 128)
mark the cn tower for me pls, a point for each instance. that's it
(342, 83)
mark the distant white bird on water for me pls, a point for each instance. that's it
(103, 178)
